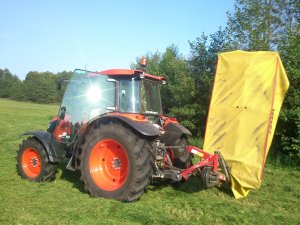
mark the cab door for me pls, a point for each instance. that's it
(87, 96)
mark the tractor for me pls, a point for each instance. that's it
(111, 128)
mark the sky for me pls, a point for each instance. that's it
(97, 35)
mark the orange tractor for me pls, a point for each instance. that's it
(111, 128)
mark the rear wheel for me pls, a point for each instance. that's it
(114, 163)
(182, 158)
(33, 163)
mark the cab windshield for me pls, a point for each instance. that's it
(88, 95)
(140, 96)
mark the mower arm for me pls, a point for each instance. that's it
(215, 162)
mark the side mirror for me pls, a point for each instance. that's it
(60, 82)
(62, 113)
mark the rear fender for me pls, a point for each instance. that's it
(54, 149)
(173, 131)
(143, 127)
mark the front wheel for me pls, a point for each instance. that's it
(114, 162)
(33, 163)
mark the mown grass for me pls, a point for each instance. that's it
(64, 201)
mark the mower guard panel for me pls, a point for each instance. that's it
(54, 149)
(248, 92)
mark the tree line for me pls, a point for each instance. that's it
(258, 25)
(39, 87)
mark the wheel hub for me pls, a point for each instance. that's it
(34, 161)
(116, 163)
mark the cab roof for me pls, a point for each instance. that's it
(129, 72)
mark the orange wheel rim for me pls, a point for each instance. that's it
(108, 164)
(31, 163)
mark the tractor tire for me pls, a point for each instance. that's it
(182, 158)
(33, 163)
(114, 162)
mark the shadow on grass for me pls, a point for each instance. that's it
(71, 176)
(194, 184)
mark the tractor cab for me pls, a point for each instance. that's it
(92, 95)
(136, 91)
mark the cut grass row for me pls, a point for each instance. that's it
(64, 201)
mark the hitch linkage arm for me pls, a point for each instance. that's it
(207, 160)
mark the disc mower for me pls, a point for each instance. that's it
(112, 130)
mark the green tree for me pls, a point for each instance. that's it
(17, 91)
(262, 24)
(287, 136)
(178, 95)
(10, 86)
(41, 87)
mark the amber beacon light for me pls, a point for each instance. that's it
(143, 62)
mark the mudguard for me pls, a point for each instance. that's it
(173, 131)
(54, 149)
(143, 127)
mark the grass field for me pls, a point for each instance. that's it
(64, 201)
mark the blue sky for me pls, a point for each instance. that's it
(64, 35)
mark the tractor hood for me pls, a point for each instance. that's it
(248, 92)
